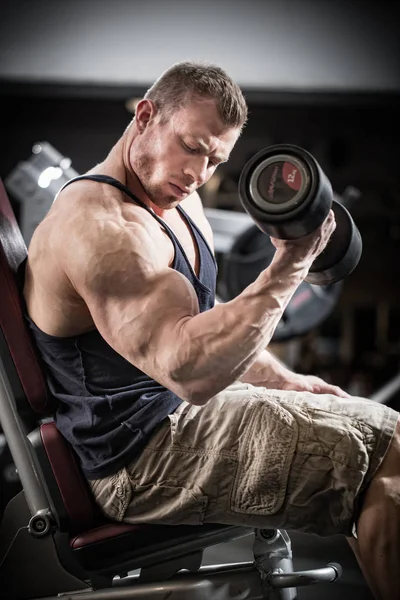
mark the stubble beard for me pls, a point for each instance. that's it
(154, 191)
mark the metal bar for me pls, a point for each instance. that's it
(21, 449)
(387, 391)
(327, 574)
(235, 584)
(173, 550)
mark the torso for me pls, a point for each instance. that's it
(52, 302)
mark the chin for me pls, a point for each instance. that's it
(163, 201)
(169, 203)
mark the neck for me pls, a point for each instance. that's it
(118, 165)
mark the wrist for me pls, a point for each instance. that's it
(268, 371)
(290, 265)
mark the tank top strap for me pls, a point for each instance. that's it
(123, 188)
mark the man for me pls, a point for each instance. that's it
(176, 410)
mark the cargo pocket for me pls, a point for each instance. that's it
(113, 494)
(166, 502)
(266, 451)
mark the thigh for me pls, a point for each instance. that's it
(341, 444)
(225, 462)
(258, 458)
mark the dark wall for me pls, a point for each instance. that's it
(81, 129)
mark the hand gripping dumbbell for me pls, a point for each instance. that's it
(288, 196)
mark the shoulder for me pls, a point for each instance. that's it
(97, 239)
(110, 251)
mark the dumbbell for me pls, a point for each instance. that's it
(288, 196)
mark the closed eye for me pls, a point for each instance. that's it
(213, 163)
(189, 149)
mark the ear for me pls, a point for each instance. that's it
(145, 112)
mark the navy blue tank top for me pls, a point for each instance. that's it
(107, 408)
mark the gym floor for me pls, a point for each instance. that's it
(309, 552)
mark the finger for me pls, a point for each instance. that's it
(327, 388)
(342, 393)
(337, 391)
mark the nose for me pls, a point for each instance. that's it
(196, 170)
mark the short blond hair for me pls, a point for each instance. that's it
(185, 81)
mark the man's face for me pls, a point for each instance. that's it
(174, 158)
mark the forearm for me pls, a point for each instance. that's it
(220, 346)
(267, 370)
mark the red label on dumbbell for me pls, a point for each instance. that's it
(291, 176)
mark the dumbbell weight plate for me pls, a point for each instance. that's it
(288, 196)
(285, 191)
(342, 253)
(280, 183)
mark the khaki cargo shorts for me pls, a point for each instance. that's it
(255, 457)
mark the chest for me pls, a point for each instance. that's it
(186, 237)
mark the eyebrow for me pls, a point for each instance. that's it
(205, 148)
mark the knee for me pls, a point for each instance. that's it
(387, 476)
(391, 461)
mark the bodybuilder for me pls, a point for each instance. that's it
(177, 411)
